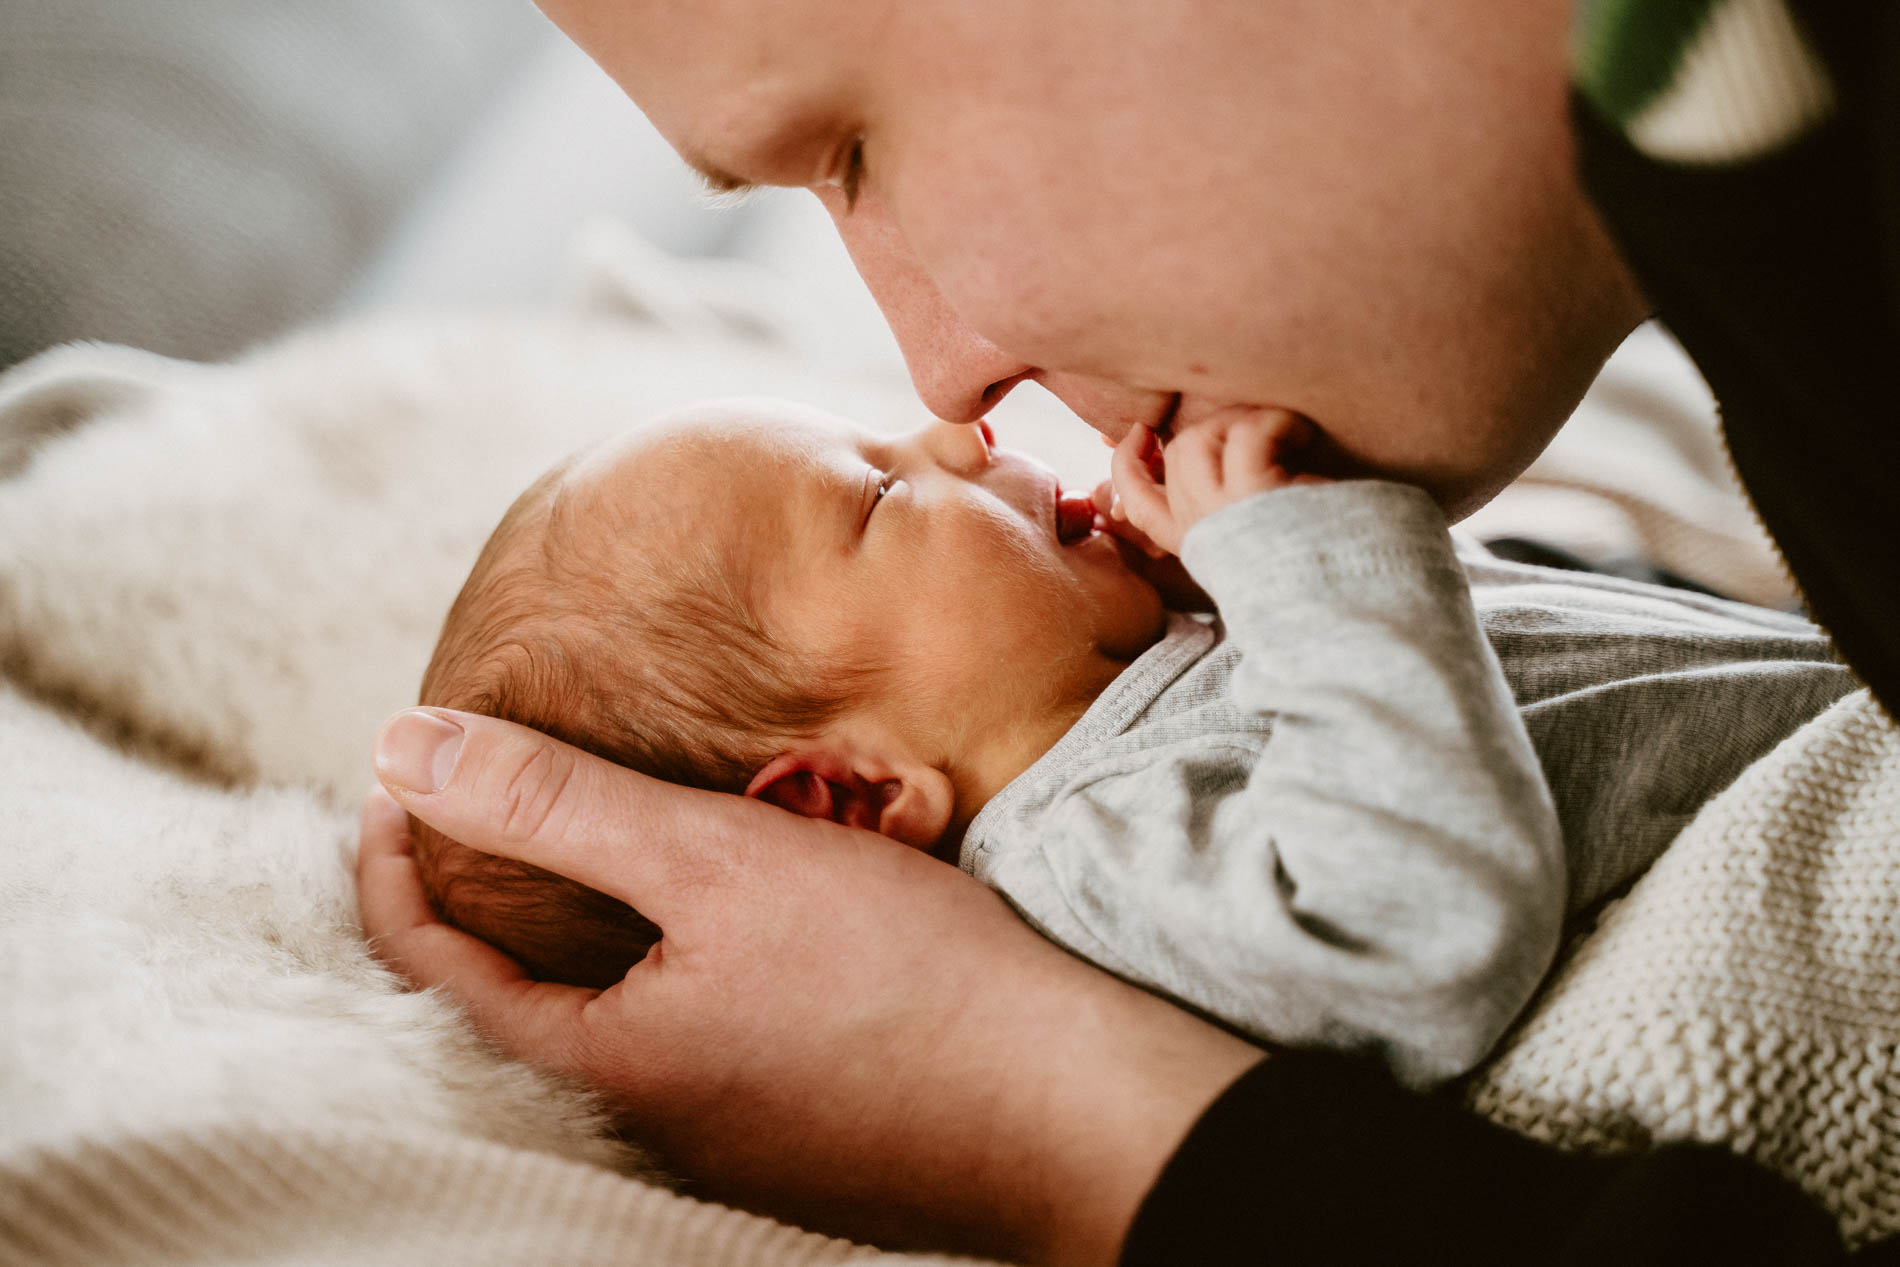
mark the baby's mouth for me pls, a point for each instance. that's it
(1075, 517)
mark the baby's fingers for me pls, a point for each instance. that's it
(1262, 442)
(1114, 517)
(1143, 498)
(1264, 451)
(1194, 468)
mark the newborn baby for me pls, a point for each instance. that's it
(1352, 808)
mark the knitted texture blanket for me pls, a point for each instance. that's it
(231, 1194)
(1746, 991)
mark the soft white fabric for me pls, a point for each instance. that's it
(235, 572)
(1641, 471)
(251, 1193)
(172, 953)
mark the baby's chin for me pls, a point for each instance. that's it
(1122, 647)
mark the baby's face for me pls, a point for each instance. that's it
(983, 592)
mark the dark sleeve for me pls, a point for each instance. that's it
(1781, 277)
(1318, 1158)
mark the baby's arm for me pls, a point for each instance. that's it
(1381, 865)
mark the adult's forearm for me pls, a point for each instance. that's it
(1117, 1087)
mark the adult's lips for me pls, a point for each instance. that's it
(1075, 517)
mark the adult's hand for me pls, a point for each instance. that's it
(834, 1029)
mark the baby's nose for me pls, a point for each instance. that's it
(964, 446)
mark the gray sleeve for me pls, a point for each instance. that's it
(1384, 871)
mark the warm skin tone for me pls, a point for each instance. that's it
(1366, 214)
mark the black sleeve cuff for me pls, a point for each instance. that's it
(1316, 1158)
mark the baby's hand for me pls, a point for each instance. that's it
(1227, 457)
(1179, 591)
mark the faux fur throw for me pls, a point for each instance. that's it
(215, 581)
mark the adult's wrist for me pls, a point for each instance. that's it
(1110, 1102)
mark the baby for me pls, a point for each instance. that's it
(1354, 807)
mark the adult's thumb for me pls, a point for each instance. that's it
(417, 750)
(506, 789)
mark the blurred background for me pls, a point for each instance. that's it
(194, 176)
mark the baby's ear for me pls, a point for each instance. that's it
(910, 804)
(790, 782)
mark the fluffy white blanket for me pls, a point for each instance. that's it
(215, 581)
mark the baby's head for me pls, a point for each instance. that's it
(757, 598)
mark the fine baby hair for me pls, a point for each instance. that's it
(655, 659)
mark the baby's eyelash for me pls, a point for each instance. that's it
(880, 483)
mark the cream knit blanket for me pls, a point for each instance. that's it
(1747, 989)
(225, 1195)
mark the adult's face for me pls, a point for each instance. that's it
(1366, 213)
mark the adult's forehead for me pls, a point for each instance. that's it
(700, 67)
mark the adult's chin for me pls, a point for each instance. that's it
(1481, 463)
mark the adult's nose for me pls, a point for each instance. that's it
(957, 373)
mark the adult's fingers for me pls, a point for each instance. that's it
(534, 1019)
(389, 891)
(508, 790)
(400, 923)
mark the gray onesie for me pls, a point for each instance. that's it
(1328, 818)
